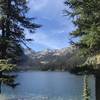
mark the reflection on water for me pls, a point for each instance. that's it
(48, 86)
(8, 80)
(86, 90)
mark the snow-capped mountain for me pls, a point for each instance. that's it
(49, 52)
(67, 57)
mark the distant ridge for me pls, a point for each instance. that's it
(65, 58)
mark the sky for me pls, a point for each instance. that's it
(54, 33)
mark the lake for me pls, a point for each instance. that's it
(47, 86)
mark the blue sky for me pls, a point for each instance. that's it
(54, 33)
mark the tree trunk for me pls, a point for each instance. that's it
(0, 87)
(0, 80)
(97, 86)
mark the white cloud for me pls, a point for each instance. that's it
(43, 39)
(55, 30)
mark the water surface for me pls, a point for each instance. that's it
(48, 86)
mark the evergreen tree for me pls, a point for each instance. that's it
(13, 22)
(86, 18)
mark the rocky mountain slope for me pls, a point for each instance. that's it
(58, 59)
